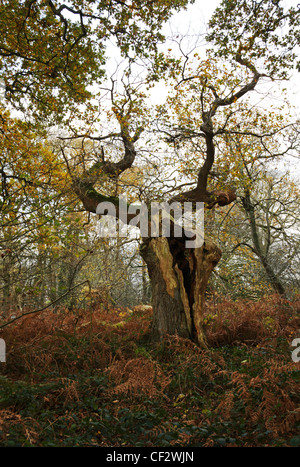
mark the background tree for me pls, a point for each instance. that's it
(260, 248)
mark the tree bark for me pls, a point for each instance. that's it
(258, 249)
(179, 277)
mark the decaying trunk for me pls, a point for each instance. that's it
(179, 277)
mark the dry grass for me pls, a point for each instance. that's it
(252, 322)
(94, 369)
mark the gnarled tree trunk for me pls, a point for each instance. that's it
(179, 277)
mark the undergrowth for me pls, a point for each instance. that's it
(91, 379)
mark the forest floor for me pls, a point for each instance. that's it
(89, 378)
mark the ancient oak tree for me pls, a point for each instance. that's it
(54, 57)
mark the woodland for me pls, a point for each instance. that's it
(113, 335)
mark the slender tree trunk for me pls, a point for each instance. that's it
(145, 284)
(258, 249)
(179, 277)
(273, 279)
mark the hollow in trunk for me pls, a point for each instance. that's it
(179, 278)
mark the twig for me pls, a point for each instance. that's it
(47, 306)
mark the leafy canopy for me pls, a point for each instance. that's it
(257, 31)
(52, 52)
